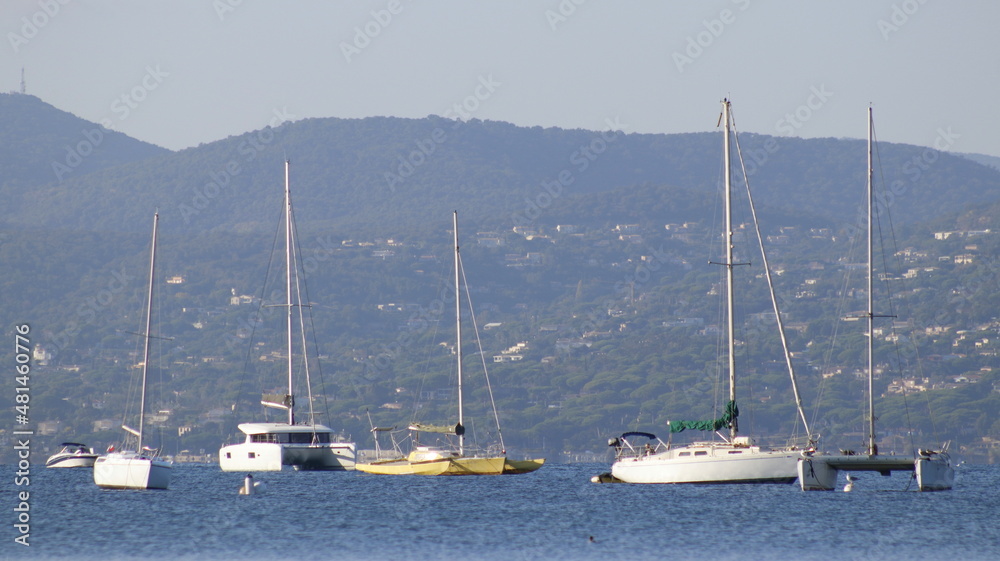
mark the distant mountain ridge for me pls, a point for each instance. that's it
(43, 144)
(382, 174)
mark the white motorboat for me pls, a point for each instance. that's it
(72, 454)
(269, 446)
(142, 468)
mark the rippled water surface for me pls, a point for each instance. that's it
(549, 514)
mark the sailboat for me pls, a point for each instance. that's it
(933, 469)
(735, 459)
(450, 460)
(141, 468)
(304, 446)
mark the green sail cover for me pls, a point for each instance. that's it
(732, 412)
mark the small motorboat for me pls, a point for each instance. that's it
(73, 454)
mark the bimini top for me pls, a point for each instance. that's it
(646, 434)
(269, 428)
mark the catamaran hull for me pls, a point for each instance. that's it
(132, 472)
(934, 473)
(264, 456)
(448, 466)
(820, 473)
(760, 467)
(513, 467)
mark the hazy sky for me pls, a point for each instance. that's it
(185, 72)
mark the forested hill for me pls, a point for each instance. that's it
(612, 316)
(381, 176)
(42, 145)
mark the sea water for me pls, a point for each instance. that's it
(554, 513)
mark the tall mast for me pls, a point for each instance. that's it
(870, 313)
(149, 314)
(730, 298)
(458, 340)
(288, 289)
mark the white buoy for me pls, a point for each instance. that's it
(248, 485)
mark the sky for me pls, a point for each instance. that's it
(185, 72)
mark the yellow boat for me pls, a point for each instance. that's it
(513, 467)
(425, 460)
(433, 460)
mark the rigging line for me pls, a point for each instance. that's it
(837, 320)
(300, 287)
(770, 286)
(482, 356)
(255, 321)
(888, 289)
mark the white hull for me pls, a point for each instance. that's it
(720, 463)
(71, 461)
(266, 456)
(132, 471)
(819, 473)
(934, 473)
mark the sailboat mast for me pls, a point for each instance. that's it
(872, 446)
(458, 340)
(149, 313)
(288, 289)
(730, 298)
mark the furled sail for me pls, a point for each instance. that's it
(732, 412)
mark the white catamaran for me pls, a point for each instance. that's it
(141, 468)
(451, 460)
(736, 458)
(933, 469)
(270, 446)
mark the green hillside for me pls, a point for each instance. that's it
(606, 279)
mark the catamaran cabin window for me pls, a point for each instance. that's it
(701, 453)
(266, 437)
(736, 451)
(684, 454)
(305, 437)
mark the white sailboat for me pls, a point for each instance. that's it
(304, 446)
(141, 468)
(933, 469)
(451, 460)
(735, 459)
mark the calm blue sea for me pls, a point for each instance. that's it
(549, 514)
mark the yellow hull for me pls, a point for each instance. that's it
(446, 466)
(512, 467)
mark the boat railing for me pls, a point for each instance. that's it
(633, 445)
